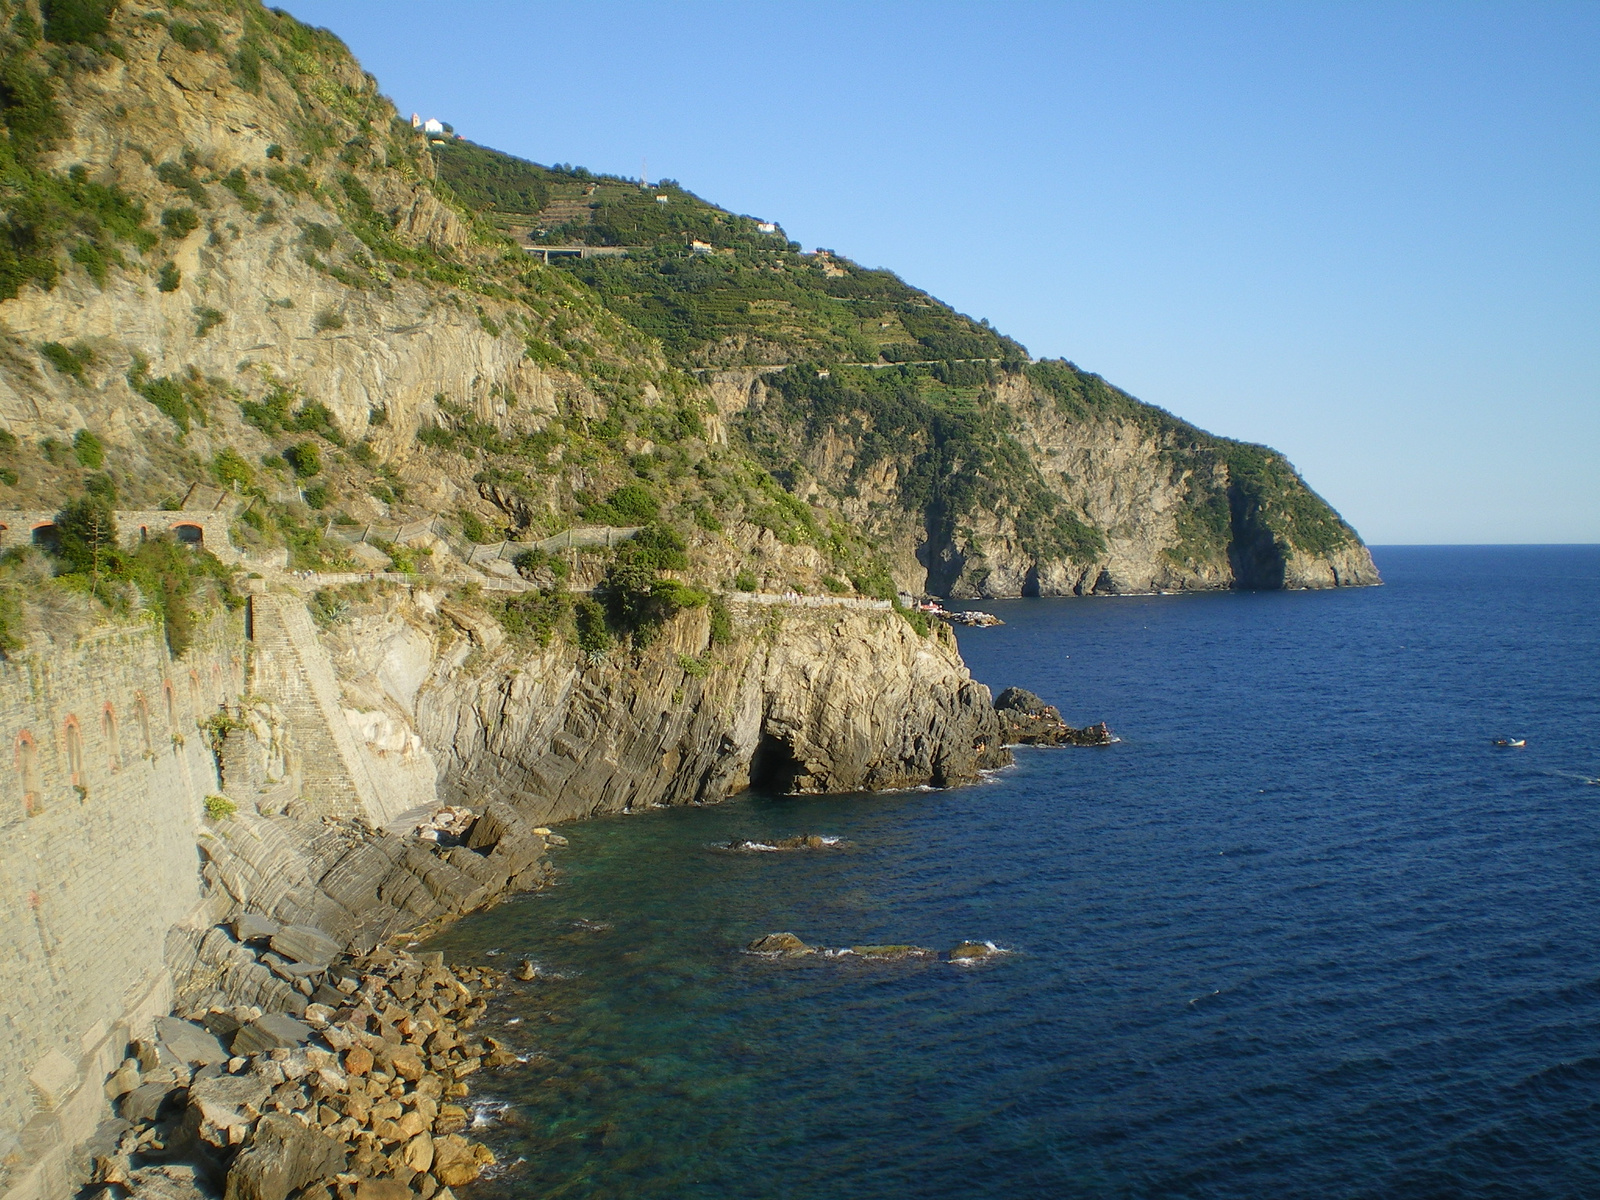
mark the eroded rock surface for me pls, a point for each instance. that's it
(801, 700)
(1026, 720)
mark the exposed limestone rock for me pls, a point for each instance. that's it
(221, 1110)
(802, 841)
(1135, 482)
(175, 1182)
(357, 1102)
(189, 1043)
(891, 953)
(283, 1156)
(271, 1032)
(972, 952)
(802, 700)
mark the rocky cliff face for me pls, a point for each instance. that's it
(798, 698)
(1043, 481)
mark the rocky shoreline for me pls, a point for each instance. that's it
(311, 1059)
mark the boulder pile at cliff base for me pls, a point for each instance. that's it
(363, 1101)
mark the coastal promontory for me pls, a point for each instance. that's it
(372, 501)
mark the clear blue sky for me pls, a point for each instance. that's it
(1366, 234)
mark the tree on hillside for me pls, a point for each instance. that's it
(87, 531)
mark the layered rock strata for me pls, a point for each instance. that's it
(831, 699)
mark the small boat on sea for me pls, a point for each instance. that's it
(1511, 743)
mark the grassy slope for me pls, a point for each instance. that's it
(629, 445)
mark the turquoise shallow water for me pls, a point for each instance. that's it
(1304, 932)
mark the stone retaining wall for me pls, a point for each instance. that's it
(102, 789)
(20, 527)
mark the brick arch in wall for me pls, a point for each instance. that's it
(141, 712)
(189, 533)
(72, 741)
(28, 773)
(112, 731)
(45, 533)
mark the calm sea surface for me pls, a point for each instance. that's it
(1304, 932)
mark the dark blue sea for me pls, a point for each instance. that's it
(1303, 932)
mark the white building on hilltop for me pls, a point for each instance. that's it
(433, 125)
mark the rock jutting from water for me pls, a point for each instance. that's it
(1026, 720)
(790, 945)
(802, 841)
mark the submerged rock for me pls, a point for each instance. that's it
(892, 953)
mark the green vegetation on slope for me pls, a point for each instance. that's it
(486, 180)
(715, 290)
(743, 296)
(43, 213)
(863, 360)
(954, 437)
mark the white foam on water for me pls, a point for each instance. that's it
(488, 1112)
(994, 953)
(494, 1170)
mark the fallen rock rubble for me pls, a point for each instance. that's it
(358, 1100)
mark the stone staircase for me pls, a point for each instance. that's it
(290, 668)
